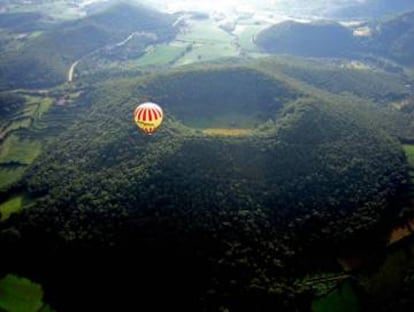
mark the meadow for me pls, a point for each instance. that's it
(13, 205)
(21, 295)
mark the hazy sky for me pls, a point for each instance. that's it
(287, 6)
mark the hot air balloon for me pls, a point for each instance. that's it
(148, 117)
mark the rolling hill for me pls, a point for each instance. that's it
(373, 9)
(24, 22)
(394, 38)
(390, 38)
(44, 60)
(319, 39)
(202, 221)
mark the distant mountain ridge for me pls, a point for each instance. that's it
(392, 38)
(44, 60)
(373, 9)
(395, 38)
(319, 39)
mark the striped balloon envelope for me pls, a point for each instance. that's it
(148, 117)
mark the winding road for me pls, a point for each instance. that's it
(71, 71)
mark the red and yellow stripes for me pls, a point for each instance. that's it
(148, 117)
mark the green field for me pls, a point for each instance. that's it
(44, 105)
(19, 294)
(18, 124)
(343, 299)
(11, 206)
(16, 152)
(9, 176)
(409, 153)
(162, 54)
(35, 108)
(207, 52)
(16, 149)
(208, 41)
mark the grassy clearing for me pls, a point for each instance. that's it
(342, 299)
(9, 176)
(30, 109)
(227, 132)
(18, 124)
(20, 295)
(14, 149)
(11, 206)
(207, 52)
(44, 106)
(34, 110)
(17, 149)
(208, 41)
(409, 152)
(205, 32)
(162, 54)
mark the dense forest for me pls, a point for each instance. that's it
(391, 38)
(200, 221)
(319, 39)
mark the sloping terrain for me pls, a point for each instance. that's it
(44, 60)
(319, 39)
(389, 38)
(395, 38)
(200, 221)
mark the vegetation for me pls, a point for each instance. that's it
(162, 55)
(263, 174)
(316, 172)
(17, 150)
(218, 101)
(342, 299)
(337, 77)
(20, 295)
(395, 38)
(320, 39)
(374, 9)
(227, 132)
(36, 65)
(208, 42)
(391, 39)
(13, 205)
(388, 286)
